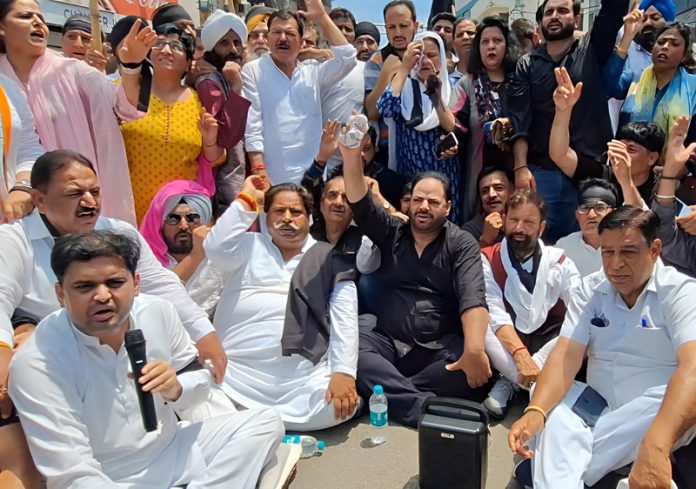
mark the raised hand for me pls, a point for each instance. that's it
(633, 22)
(566, 95)
(255, 186)
(315, 10)
(329, 140)
(208, 126)
(677, 155)
(412, 55)
(620, 162)
(137, 44)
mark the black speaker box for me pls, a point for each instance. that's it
(453, 444)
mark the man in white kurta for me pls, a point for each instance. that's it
(636, 324)
(80, 410)
(527, 287)
(68, 201)
(250, 317)
(284, 123)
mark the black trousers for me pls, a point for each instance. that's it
(410, 380)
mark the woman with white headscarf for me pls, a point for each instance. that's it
(417, 103)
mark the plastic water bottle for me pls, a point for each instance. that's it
(378, 413)
(310, 445)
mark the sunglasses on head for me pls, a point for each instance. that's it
(174, 219)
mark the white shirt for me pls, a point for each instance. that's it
(24, 142)
(555, 280)
(339, 102)
(27, 282)
(250, 319)
(632, 350)
(587, 259)
(80, 410)
(285, 120)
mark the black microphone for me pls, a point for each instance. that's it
(135, 346)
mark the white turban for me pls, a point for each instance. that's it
(219, 24)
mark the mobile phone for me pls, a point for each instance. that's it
(589, 406)
(682, 208)
(448, 142)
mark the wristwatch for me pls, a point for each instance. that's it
(23, 185)
(386, 205)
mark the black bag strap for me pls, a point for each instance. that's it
(454, 407)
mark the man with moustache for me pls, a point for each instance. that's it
(257, 26)
(598, 198)
(175, 225)
(528, 285)
(367, 39)
(333, 224)
(495, 185)
(443, 25)
(288, 312)
(66, 193)
(284, 123)
(77, 42)
(531, 106)
(220, 92)
(431, 316)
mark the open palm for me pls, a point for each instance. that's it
(677, 154)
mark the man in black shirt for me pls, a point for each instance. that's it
(495, 184)
(432, 296)
(532, 108)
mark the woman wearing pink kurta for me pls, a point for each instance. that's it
(74, 105)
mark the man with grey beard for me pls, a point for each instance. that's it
(288, 315)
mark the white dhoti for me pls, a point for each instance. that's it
(569, 454)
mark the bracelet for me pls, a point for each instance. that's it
(665, 196)
(20, 188)
(520, 167)
(249, 200)
(258, 167)
(320, 162)
(125, 70)
(519, 348)
(5, 345)
(621, 52)
(668, 178)
(536, 409)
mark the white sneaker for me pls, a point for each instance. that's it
(499, 398)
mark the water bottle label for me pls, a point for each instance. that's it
(378, 419)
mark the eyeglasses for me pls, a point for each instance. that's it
(174, 45)
(174, 219)
(599, 208)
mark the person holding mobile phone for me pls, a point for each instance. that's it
(635, 325)
(416, 102)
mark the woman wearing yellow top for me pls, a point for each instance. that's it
(177, 139)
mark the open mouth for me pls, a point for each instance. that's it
(555, 25)
(103, 314)
(422, 217)
(283, 47)
(662, 57)
(86, 213)
(38, 35)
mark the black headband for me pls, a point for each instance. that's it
(169, 15)
(597, 193)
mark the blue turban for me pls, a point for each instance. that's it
(665, 7)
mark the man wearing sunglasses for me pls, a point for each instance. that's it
(598, 198)
(175, 226)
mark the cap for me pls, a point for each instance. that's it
(321, 445)
(367, 28)
(378, 389)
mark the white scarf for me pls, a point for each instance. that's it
(531, 309)
(430, 119)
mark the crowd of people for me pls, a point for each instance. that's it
(291, 215)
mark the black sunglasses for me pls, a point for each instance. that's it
(174, 219)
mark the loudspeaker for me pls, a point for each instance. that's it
(453, 444)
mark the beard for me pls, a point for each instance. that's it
(178, 246)
(435, 223)
(219, 61)
(566, 31)
(646, 38)
(521, 248)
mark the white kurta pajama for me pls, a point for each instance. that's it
(250, 319)
(82, 420)
(631, 358)
(554, 281)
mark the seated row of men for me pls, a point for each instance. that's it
(447, 314)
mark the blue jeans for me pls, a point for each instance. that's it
(561, 196)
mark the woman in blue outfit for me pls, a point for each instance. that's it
(416, 104)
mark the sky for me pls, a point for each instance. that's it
(372, 9)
